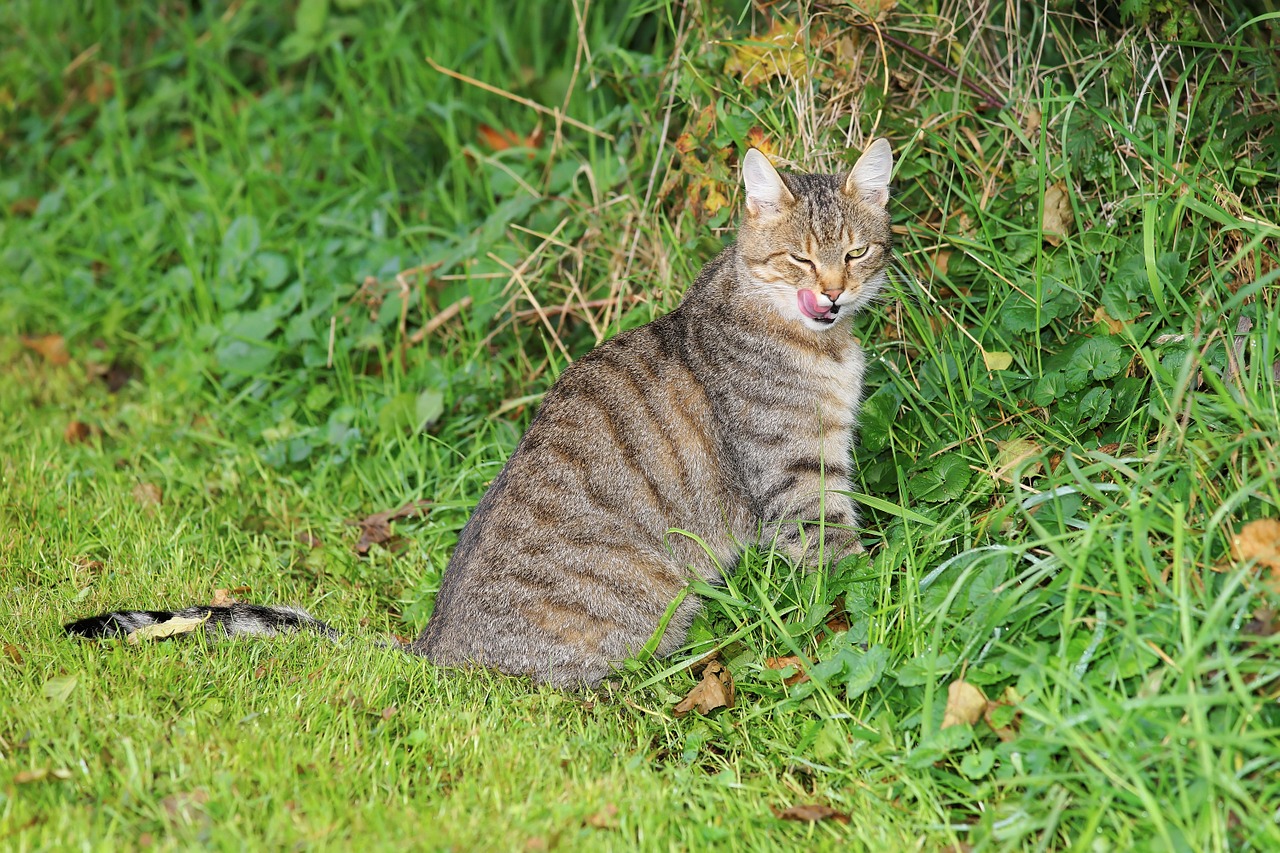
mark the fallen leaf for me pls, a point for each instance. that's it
(51, 347)
(390, 711)
(306, 537)
(13, 653)
(501, 140)
(376, 529)
(605, 818)
(39, 774)
(169, 628)
(147, 494)
(810, 813)
(78, 432)
(997, 360)
(222, 598)
(1263, 624)
(1057, 220)
(715, 690)
(24, 206)
(778, 53)
(800, 675)
(756, 139)
(1258, 540)
(59, 688)
(1012, 453)
(1113, 325)
(965, 704)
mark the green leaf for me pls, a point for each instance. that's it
(876, 420)
(978, 764)
(1049, 388)
(311, 17)
(1093, 407)
(923, 669)
(428, 407)
(59, 688)
(1096, 358)
(865, 670)
(944, 479)
(270, 268)
(1126, 289)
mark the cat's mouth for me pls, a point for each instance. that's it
(807, 301)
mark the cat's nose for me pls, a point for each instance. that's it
(833, 295)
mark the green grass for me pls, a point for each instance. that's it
(254, 213)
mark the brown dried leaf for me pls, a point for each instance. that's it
(14, 654)
(790, 660)
(1113, 325)
(51, 347)
(606, 818)
(715, 690)
(1258, 540)
(965, 704)
(222, 598)
(78, 432)
(810, 813)
(306, 537)
(376, 529)
(169, 628)
(147, 494)
(1057, 220)
(501, 140)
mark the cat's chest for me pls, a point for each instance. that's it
(836, 382)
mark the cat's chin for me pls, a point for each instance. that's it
(820, 324)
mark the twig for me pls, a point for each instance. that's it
(990, 101)
(439, 320)
(533, 105)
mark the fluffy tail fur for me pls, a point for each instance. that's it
(235, 619)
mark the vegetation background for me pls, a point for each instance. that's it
(268, 269)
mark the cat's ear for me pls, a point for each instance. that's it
(869, 177)
(766, 193)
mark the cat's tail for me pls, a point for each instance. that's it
(232, 620)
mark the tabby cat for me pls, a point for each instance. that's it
(730, 418)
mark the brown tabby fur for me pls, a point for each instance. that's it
(725, 419)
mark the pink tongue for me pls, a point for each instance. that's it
(808, 303)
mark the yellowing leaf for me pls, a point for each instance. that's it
(997, 360)
(777, 53)
(1010, 454)
(1260, 540)
(715, 690)
(965, 704)
(170, 628)
(1057, 221)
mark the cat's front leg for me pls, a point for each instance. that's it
(811, 521)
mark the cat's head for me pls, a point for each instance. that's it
(815, 246)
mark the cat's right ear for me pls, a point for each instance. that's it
(766, 193)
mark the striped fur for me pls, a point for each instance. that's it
(730, 418)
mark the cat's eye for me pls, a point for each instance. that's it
(801, 260)
(854, 254)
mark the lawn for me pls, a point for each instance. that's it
(269, 269)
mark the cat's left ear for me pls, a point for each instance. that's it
(869, 177)
(766, 193)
